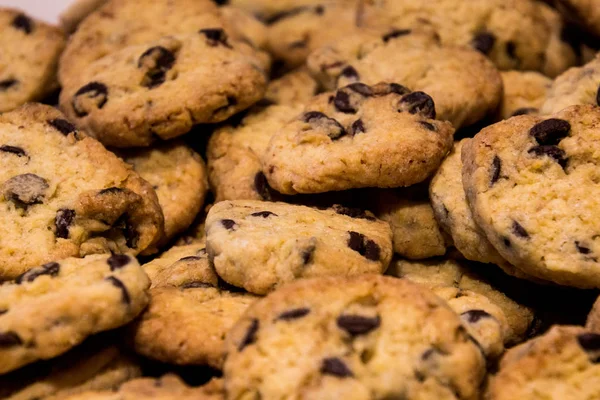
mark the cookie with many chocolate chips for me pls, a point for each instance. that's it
(42, 309)
(532, 185)
(62, 194)
(359, 136)
(561, 364)
(524, 93)
(30, 50)
(260, 245)
(160, 90)
(366, 337)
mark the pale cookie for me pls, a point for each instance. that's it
(29, 52)
(464, 84)
(295, 87)
(234, 153)
(359, 136)
(580, 85)
(560, 365)
(178, 175)
(524, 93)
(532, 186)
(259, 245)
(160, 90)
(417, 234)
(42, 311)
(368, 337)
(77, 12)
(62, 194)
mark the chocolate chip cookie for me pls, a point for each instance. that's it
(531, 185)
(259, 246)
(359, 136)
(524, 93)
(30, 50)
(42, 309)
(77, 12)
(368, 337)
(62, 194)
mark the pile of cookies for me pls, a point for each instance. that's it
(301, 199)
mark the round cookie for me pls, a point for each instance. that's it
(359, 136)
(562, 364)
(179, 177)
(30, 50)
(261, 245)
(234, 153)
(523, 178)
(190, 312)
(295, 87)
(524, 93)
(160, 90)
(62, 194)
(417, 234)
(180, 265)
(42, 310)
(368, 337)
(77, 12)
(464, 84)
(580, 85)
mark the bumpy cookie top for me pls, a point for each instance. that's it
(63, 194)
(367, 337)
(524, 93)
(109, 290)
(30, 51)
(532, 186)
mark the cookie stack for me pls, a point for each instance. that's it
(300, 199)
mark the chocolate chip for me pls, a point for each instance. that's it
(293, 314)
(342, 103)
(511, 49)
(262, 186)
(191, 258)
(358, 325)
(196, 285)
(582, 249)
(507, 242)
(13, 150)
(157, 61)
(550, 131)
(473, 316)
(118, 284)
(496, 169)
(350, 73)
(118, 261)
(418, 103)
(62, 125)
(62, 222)
(316, 118)
(286, 14)
(51, 269)
(484, 42)
(215, 37)
(519, 230)
(130, 234)
(554, 152)
(229, 224)
(598, 96)
(352, 212)
(308, 254)
(357, 127)
(364, 246)
(589, 341)
(9, 339)
(111, 190)
(264, 214)
(524, 111)
(396, 34)
(25, 190)
(95, 93)
(8, 83)
(336, 367)
(24, 23)
(427, 125)
(250, 337)
(360, 88)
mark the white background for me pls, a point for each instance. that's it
(43, 9)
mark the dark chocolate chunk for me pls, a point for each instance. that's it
(350, 72)
(62, 125)
(157, 61)
(352, 212)
(519, 230)
(484, 42)
(118, 284)
(13, 150)
(9, 339)
(250, 337)
(396, 34)
(427, 125)
(496, 169)
(25, 190)
(360, 88)
(23, 23)
(52, 269)
(524, 111)
(473, 316)
(582, 249)
(95, 91)
(293, 314)
(336, 367)
(308, 254)
(554, 152)
(262, 186)
(511, 49)
(229, 224)
(343, 104)
(62, 222)
(131, 234)
(357, 127)
(316, 118)
(264, 214)
(358, 325)
(364, 246)
(507, 242)
(589, 341)
(216, 37)
(418, 103)
(118, 261)
(550, 131)
(8, 83)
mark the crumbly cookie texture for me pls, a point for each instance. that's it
(42, 309)
(531, 185)
(234, 153)
(359, 136)
(561, 364)
(178, 175)
(578, 85)
(368, 337)
(127, 98)
(417, 234)
(464, 84)
(259, 246)
(77, 12)
(62, 194)
(295, 87)
(30, 50)
(524, 93)
(517, 34)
